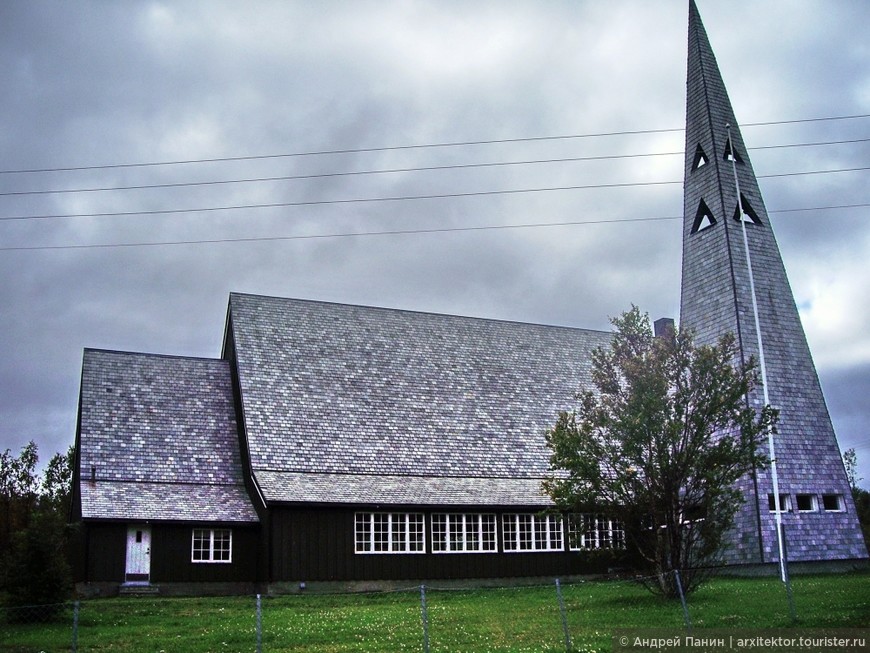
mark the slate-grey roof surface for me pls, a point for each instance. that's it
(394, 489)
(164, 501)
(161, 433)
(341, 401)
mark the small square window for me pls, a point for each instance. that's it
(212, 545)
(833, 502)
(806, 503)
(784, 503)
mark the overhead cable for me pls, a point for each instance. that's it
(350, 173)
(392, 232)
(408, 147)
(399, 198)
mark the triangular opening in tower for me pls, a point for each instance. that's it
(731, 154)
(749, 214)
(700, 159)
(703, 218)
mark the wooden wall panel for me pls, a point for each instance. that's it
(318, 545)
(105, 546)
(171, 552)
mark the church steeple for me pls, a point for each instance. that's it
(717, 298)
(712, 230)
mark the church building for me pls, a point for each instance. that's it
(342, 443)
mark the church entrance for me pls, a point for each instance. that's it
(138, 568)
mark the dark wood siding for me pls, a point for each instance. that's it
(105, 545)
(171, 553)
(318, 545)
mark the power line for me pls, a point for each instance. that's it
(351, 200)
(811, 172)
(393, 232)
(821, 208)
(398, 198)
(458, 166)
(407, 147)
(776, 147)
(363, 150)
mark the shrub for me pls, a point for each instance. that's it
(37, 571)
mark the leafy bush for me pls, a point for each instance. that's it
(37, 572)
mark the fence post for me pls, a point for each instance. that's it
(683, 601)
(75, 632)
(785, 575)
(564, 616)
(259, 625)
(424, 613)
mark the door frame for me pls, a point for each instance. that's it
(137, 569)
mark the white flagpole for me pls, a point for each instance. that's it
(777, 507)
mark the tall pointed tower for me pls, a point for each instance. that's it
(819, 519)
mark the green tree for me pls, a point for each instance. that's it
(850, 462)
(37, 571)
(660, 444)
(19, 492)
(34, 567)
(859, 495)
(862, 506)
(56, 486)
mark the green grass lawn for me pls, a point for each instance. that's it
(517, 619)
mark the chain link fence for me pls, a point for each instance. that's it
(562, 616)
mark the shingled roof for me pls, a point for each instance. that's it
(358, 404)
(160, 434)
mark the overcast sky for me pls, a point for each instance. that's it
(94, 85)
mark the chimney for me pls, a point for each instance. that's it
(664, 328)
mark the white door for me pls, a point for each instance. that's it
(138, 554)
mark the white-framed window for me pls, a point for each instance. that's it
(211, 545)
(463, 533)
(389, 532)
(833, 502)
(784, 503)
(591, 531)
(531, 532)
(807, 502)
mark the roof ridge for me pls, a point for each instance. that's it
(133, 481)
(510, 477)
(205, 359)
(413, 312)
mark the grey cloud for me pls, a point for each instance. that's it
(101, 83)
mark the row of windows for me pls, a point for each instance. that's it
(808, 503)
(388, 532)
(393, 532)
